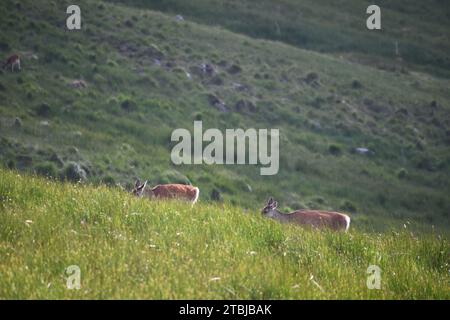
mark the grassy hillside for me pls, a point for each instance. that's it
(337, 27)
(141, 71)
(135, 248)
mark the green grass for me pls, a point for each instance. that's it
(136, 248)
(119, 127)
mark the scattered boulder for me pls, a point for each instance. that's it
(17, 122)
(312, 78)
(234, 69)
(402, 111)
(23, 161)
(196, 70)
(216, 102)
(207, 69)
(241, 87)
(373, 106)
(56, 159)
(362, 150)
(216, 195)
(433, 104)
(43, 110)
(153, 51)
(179, 17)
(217, 81)
(245, 106)
(74, 172)
(356, 84)
(78, 84)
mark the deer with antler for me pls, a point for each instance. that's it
(167, 191)
(315, 218)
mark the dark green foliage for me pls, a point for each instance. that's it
(348, 206)
(335, 150)
(47, 169)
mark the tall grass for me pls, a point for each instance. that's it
(135, 248)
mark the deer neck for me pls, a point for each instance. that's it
(278, 215)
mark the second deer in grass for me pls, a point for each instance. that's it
(314, 218)
(167, 191)
(13, 61)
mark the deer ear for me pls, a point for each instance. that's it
(275, 204)
(137, 183)
(143, 185)
(270, 201)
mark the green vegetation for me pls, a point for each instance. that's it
(100, 105)
(135, 248)
(363, 129)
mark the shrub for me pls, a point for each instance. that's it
(347, 205)
(335, 150)
(356, 84)
(109, 180)
(216, 195)
(47, 169)
(402, 173)
(128, 105)
(44, 110)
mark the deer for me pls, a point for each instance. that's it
(13, 61)
(167, 191)
(316, 219)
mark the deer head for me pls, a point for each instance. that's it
(270, 208)
(139, 188)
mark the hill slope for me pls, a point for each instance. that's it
(134, 248)
(142, 75)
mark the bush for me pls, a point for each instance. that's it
(402, 173)
(44, 110)
(47, 169)
(128, 105)
(109, 180)
(347, 205)
(356, 84)
(334, 150)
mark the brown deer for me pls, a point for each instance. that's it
(314, 218)
(13, 61)
(167, 191)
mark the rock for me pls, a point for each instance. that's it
(78, 84)
(17, 122)
(216, 195)
(57, 159)
(312, 79)
(75, 172)
(234, 69)
(207, 69)
(179, 17)
(217, 103)
(240, 87)
(24, 161)
(245, 106)
(217, 81)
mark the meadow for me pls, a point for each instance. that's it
(130, 248)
